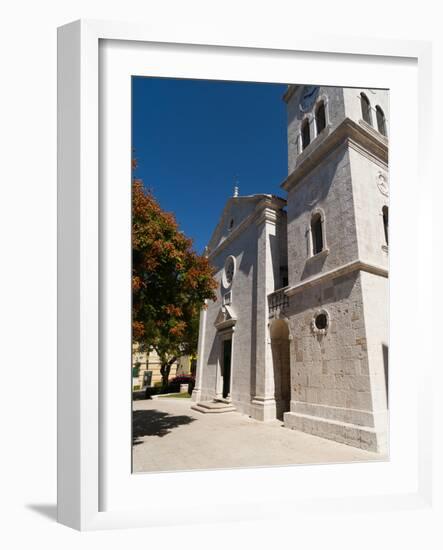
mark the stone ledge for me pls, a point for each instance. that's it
(350, 434)
(348, 133)
(322, 254)
(356, 265)
(335, 414)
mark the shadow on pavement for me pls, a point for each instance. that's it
(154, 422)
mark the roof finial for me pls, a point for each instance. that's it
(235, 186)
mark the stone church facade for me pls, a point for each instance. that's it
(299, 331)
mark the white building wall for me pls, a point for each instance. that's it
(244, 299)
(376, 97)
(370, 192)
(375, 290)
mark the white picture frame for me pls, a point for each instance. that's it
(83, 443)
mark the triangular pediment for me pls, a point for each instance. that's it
(226, 317)
(235, 212)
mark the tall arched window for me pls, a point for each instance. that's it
(365, 108)
(320, 117)
(381, 120)
(305, 134)
(317, 233)
(385, 213)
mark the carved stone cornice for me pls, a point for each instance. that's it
(356, 265)
(268, 215)
(347, 133)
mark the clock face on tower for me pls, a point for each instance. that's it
(307, 98)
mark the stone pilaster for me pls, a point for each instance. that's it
(197, 391)
(263, 406)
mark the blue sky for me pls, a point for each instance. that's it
(192, 138)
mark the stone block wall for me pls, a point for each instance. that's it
(335, 115)
(329, 188)
(330, 369)
(332, 388)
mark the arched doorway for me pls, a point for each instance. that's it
(279, 333)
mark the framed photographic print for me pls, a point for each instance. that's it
(238, 230)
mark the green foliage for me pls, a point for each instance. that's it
(170, 282)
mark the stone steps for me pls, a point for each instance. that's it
(213, 407)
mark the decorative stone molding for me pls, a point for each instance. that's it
(373, 131)
(323, 98)
(229, 271)
(227, 298)
(310, 245)
(267, 215)
(226, 318)
(277, 302)
(347, 131)
(324, 252)
(382, 183)
(366, 153)
(357, 265)
(315, 329)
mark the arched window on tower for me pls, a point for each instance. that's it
(305, 134)
(320, 117)
(385, 212)
(365, 108)
(381, 120)
(317, 234)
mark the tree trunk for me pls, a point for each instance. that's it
(165, 369)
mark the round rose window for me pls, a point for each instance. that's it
(320, 322)
(229, 271)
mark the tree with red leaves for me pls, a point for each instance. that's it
(170, 282)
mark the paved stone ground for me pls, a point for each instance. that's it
(168, 435)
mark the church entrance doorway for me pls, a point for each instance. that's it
(226, 368)
(279, 333)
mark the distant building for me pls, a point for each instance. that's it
(146, 368)
(299, 330)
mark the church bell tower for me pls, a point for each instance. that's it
(337, 223)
